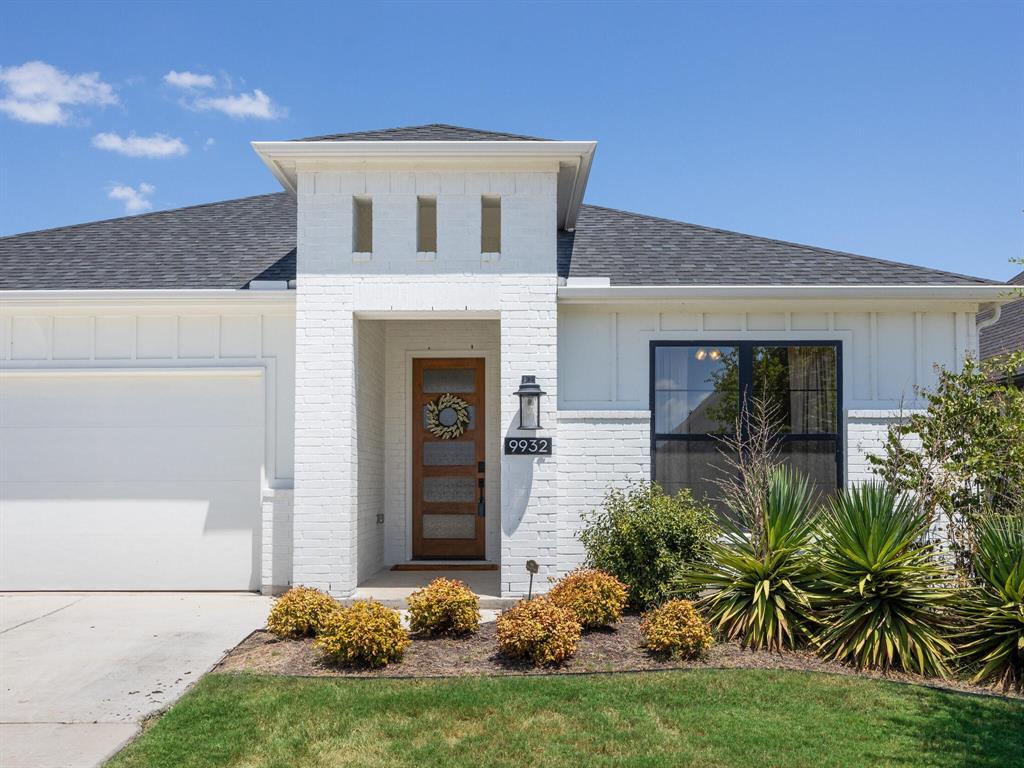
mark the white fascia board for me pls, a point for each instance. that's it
(143, 299)
(280, 157)
(576, 293)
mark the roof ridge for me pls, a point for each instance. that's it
(790, 243)
(137, 216)
(396, 128)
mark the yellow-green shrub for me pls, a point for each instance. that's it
(364, 633)
(676, 629)
(596, 598)
(538, 630)
(444, 607)
(301, 612)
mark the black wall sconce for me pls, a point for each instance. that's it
(529, 394)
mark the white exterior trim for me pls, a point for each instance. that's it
(584, 415)
(573, 160)
(576, 293)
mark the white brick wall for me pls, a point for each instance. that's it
(370, 471)
(335, 287)
(866, 431)
(325, 431)
(597, 451)
(276, 542)
(529, 485)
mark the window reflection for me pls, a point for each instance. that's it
(800, 382)
(698, 390)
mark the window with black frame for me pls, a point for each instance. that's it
(698, 391)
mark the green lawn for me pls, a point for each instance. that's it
(708, 718)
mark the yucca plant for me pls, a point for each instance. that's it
(992, 643)
(757, 580)
(883, 590)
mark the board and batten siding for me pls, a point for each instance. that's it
(154, 334)
(604, 353)
(604, 380)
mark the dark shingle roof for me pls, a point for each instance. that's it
(1007, 335)
(218, 245)
(634, 249)
(227, 244)
(432, 132)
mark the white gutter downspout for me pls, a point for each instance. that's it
(996, 314)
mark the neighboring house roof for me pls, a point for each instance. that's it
(634, 249)
(218, 245)
(1006, 335)
(431, 132)
(228, 244)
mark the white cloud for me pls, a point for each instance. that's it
(256, 104)
(209, 143)
(37, 92)
(189, 80)
(135, 199)
(157, 145)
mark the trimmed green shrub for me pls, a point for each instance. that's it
(642, 536)
(364, 633)
(992, 643)
(596, 598)
(760, 582)
(883, 589)
(301, 612)
(539, 631)
(444, 607)
(676, 629)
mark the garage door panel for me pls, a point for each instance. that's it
(130, 481)
(131, 454)
(134, 561)
(82, 509)
(132, 400)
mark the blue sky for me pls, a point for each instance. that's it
(894, 130)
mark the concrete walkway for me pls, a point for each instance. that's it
(80, 671)
(392, 587)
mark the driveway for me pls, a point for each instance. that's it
(80, 671)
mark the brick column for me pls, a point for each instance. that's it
(324, 516)
(529, 497)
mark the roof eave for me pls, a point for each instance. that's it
(575, 158)
(591, 293)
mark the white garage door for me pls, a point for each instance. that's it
(130, 480)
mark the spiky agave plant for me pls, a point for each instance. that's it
(883, 590)
(992, 642)
(757, 580)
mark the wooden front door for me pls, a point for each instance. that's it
(448, 503)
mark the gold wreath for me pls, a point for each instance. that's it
(457, 404)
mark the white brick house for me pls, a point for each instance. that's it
(238, 395)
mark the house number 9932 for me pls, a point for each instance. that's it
(527, 446)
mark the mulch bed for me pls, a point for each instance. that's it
(610, 650)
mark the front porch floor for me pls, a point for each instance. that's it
(392, 587)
